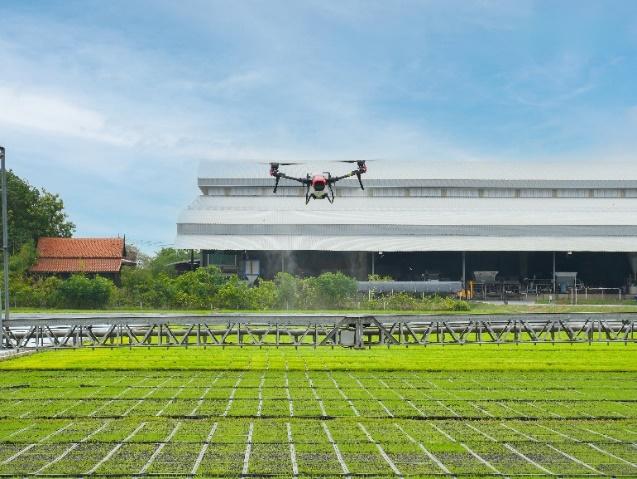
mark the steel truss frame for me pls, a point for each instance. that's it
(314, 330)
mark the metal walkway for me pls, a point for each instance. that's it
(313, 330)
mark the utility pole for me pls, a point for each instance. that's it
(5, 244)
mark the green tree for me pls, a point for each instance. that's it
(20, 262)
(133, 253)
(33, 213)
(163, 261)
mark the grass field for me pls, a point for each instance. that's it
(463, 411)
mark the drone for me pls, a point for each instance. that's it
(318, 186)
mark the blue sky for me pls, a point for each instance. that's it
(113, 104)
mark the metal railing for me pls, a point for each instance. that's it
(314, 330)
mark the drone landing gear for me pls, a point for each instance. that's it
(360, 181)
(330, 196)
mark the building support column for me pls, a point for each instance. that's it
(524, 264)
(554, 285)
(464, 270)
(373, 262)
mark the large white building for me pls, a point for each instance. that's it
(412, 228)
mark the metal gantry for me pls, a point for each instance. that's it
(313, 330)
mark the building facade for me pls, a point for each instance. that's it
(419, 229)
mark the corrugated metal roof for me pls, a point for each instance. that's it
(428, 168)
(237, 221)
(431, 183)
(401, 243)
(511, 231)
(411, 211)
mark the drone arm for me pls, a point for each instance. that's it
(334, 179)
(278, 175)
(356, 173)
(303, 181)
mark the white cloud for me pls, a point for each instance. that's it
(55, 115)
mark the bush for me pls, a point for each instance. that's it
(140, 288)
(379, 277)
(409, 302)
(25, 293)
(153, 286)
(287, 288)
(235, 294)
(329, 290)
(197, 289)
(265, 296)
(404, 302)
(20, 262)
(81, 292)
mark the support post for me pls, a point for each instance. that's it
(554, 284)
(5, 244)
(464, 270)
(373, 263)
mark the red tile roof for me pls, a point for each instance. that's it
(77, 265)
(77, 255)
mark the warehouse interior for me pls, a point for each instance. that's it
(526, 269)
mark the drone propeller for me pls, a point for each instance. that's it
(353, 161)
(277, 163)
